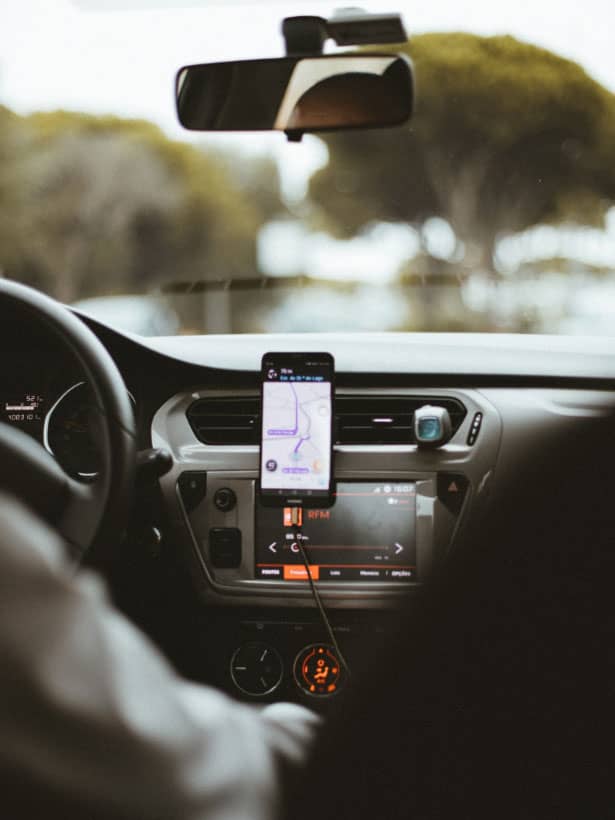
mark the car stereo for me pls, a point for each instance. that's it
(375, 540)
(368, 534)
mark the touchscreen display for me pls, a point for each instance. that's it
(296, 426)
(367, 535)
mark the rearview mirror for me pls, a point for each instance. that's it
(296, 94)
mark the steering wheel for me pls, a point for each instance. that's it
(90, 517)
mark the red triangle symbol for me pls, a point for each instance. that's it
(453, 488)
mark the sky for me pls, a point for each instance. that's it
(90, 55)
(57, 53)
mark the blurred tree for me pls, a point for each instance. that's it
(505, 135)
(257, 178)
(12, 133)
(86, 194)
(105, 205)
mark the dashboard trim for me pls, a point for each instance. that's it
(453, 359)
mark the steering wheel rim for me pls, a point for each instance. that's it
(90, 517)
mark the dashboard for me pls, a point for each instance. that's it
(216, 578)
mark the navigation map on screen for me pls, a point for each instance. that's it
(296, 442)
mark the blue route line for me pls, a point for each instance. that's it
(306, 437)
(296, 408)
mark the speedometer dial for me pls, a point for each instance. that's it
(69, 433)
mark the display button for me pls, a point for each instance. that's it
(318, 671)
(294, 572)
(452, 488)
(331, 574)
(400, 574)
(225, 547)
(274, 573)
(371, 574)
(192, 488)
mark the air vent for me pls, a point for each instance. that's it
(386, 419)
(225, 420)
(358, 419)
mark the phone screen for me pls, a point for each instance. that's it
(297, 426)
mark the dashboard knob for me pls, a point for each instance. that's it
(256, 669)
(432, 426)
(318, 671)
(225, 499)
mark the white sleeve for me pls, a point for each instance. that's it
(89, 708)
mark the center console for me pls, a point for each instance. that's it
(398, 510)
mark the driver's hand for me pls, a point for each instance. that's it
(293, 729)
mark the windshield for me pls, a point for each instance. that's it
(492, 210)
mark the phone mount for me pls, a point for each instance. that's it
(306, 35)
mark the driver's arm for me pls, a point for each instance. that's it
(92, 716)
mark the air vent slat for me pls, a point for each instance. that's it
(221, 421)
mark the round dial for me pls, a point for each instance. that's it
(318, 670)
(256, 669)
(69, 432)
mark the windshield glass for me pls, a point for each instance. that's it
(492, 210)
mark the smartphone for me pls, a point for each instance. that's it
(296, 454)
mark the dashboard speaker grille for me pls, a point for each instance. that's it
(358, 419)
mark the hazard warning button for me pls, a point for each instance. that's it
(452, 489)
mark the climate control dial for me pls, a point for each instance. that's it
(318, 670)
(256, 669)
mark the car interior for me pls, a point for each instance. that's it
(450, 471)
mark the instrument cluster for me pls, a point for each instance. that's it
(46, 400)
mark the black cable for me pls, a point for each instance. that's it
(319, 603)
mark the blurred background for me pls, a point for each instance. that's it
(493, 210)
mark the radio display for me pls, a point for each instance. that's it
(368, 534)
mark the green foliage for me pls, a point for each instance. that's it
(505, 135)
(98, 205)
